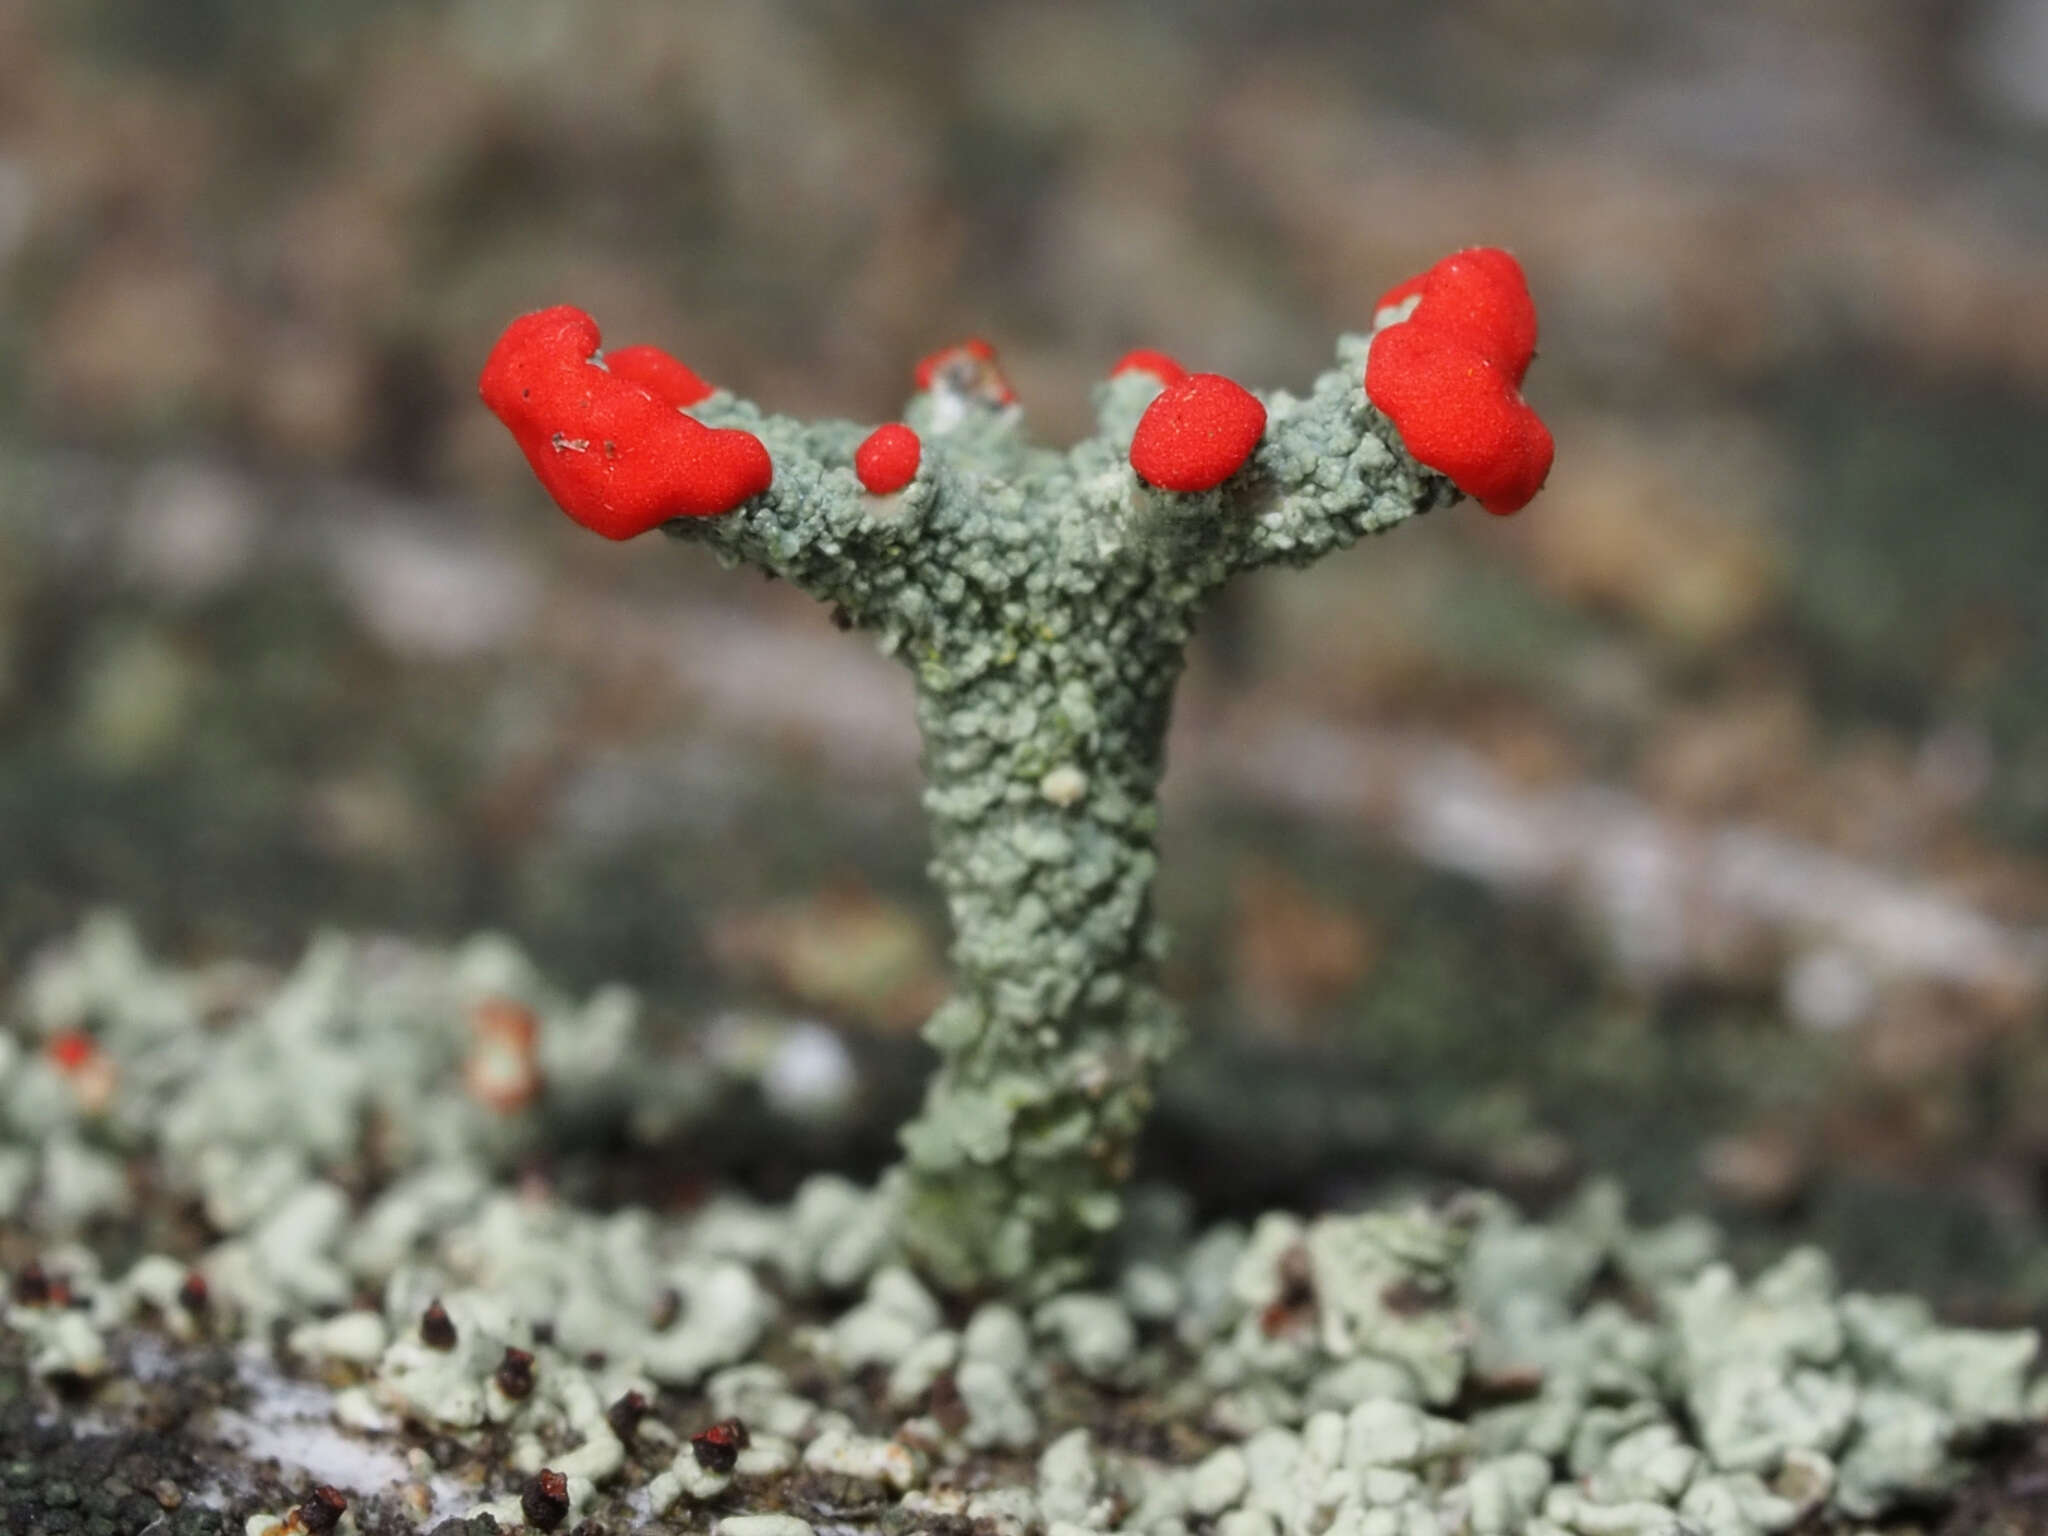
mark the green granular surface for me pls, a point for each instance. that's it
(1043, 602)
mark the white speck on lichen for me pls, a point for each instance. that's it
(1064, 786)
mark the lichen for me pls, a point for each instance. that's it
(1043, 602)
(1404, 1370)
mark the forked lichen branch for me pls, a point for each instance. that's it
(1043, 600)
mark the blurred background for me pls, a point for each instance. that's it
(1691, 827)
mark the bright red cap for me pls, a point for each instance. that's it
(615, 456)
(1482, 295)
(1146, 360)
(1449, 377)
(887, 459)
(1457, 413)
(1197, 433)
(659, 374)
(968, 367)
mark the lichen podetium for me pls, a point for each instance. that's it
(1043, 600)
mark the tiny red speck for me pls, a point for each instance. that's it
(71, 1049)
(887, 459)
(718, 1448)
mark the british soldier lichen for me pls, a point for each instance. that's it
(1043, 600)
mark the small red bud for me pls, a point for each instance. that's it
(322, 1510)
(514, 1374)
(968, 367)
(625, 1415)
(544, 1501)
(1197, 432)
(887, 459)
(1147, 360)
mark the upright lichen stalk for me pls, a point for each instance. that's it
(1043, 601)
